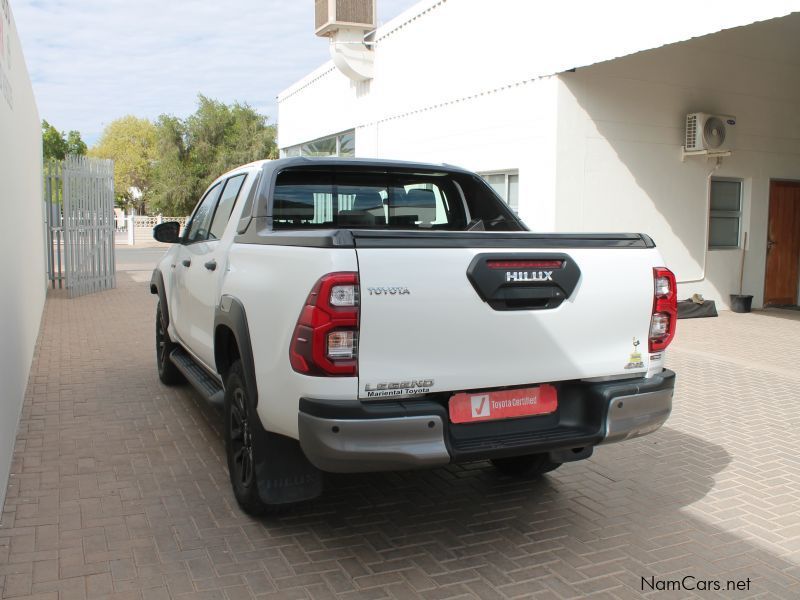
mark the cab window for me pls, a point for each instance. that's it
(226, 202)
(201, 220)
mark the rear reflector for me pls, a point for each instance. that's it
(524, 264)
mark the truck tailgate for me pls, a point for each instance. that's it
(467, 318)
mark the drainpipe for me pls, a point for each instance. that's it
(705, 239)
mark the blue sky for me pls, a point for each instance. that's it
(92, 61)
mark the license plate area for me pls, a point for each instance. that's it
(475, 407)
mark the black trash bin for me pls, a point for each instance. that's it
(741, 303)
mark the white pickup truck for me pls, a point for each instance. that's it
(356, 315)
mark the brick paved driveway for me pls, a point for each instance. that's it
(120, 488)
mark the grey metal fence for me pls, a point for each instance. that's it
(54, 240)
(79, 208)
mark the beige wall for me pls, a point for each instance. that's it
(620, 132)
(22, 290)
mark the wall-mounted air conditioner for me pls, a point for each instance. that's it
(712, 133)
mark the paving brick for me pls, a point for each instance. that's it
(119, 487)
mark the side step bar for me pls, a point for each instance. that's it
(203, 382)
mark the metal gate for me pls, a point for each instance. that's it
(79, 209)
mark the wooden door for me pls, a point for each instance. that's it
(783, 244)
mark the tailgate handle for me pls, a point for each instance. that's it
(529, 297)
(523, 280)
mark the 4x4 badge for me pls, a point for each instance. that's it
(635, 360)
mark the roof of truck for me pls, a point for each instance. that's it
(334, 161)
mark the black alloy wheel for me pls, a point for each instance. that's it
(167, 371)
(241, 440)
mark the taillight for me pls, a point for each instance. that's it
(325, 339)
(665, 309)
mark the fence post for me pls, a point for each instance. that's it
(131, 231)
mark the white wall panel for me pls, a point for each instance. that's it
(21, 239)
(620, 131)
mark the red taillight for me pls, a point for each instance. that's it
(665, 309)
(325, 339)
(524, 264)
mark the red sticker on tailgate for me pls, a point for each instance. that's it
(503, 404)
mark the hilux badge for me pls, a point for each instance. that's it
(529, 276)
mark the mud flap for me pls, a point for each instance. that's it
(283, 472)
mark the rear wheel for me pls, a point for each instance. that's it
(240, 443)
(167, 371)
(530, 465)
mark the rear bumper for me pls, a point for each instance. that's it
(354, 436)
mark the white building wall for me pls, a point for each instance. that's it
(470, 83)
(475, 135)
(21, 241)
(621, 127)
(443, 51)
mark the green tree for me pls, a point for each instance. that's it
(131, 143)
(194, 151)
(55, 145)
(75, 145)
(174, 184)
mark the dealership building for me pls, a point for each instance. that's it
(680, 120)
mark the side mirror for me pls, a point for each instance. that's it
(168, 233)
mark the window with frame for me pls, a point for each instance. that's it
(223, 213)
(341, 144)
(506, 184)
(725, 214)
(309, 199)
(201, 219)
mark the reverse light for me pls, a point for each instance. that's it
(665, 309)
(325, 339)
(659, 326)
(341, 344)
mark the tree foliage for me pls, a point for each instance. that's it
(164, 167)
(56, 145)
(131, 143)
(192, 152)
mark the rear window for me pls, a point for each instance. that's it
(304, 199)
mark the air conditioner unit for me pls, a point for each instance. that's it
(712, 133)
(330, 15)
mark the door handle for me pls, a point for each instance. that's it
(770, 244)
(186, 262)
(211, 265)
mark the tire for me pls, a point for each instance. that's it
(239, 443)
(167, 371)
(530, 465)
